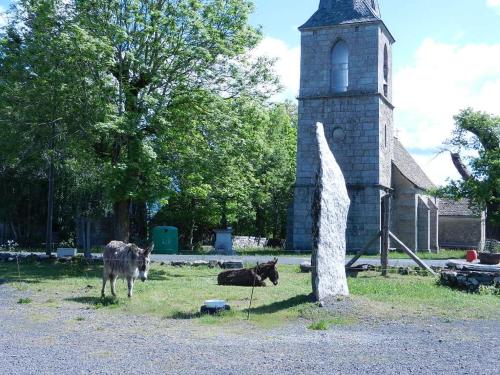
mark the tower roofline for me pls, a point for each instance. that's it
(336, 13)
(380, 22)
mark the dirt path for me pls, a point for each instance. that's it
(69, 338)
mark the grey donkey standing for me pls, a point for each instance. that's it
(125, 260)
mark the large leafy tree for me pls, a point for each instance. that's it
(168, 57)
(235, 166)
(50, 94)
(477, 134)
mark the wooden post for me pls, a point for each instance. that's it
(50, 195)
(412, 254)
(386, 218)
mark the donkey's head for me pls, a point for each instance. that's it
(269, 270)
(273, 272)
(144, 262)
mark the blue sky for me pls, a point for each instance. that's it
(446, 57)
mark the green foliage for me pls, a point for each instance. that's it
(138, 102)
(478, 133)
(49, 96)
(235, 167)
(24, 301)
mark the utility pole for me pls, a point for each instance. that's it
(50, 194)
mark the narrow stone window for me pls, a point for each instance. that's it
(340, 67)
(373, 5)
(386, 71)
(385, 135)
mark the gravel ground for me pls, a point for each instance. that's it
(69, 338)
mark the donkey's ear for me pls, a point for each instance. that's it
(149, 249)
(275, 260)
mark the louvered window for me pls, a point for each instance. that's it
(340, 67)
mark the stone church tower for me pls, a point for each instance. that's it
(346, 83)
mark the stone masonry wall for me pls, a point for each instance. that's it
(423, 227)
(404, 215)
(459, 232)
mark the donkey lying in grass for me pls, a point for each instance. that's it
(252, 276)
(127, 261)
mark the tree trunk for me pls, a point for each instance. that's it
(138, 219)
(492, 228)
(122, 221)
(260, 222)
(460, 166)
(191, 234)
(86, 234)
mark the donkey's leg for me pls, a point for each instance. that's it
(112, 280)
(104, 280)
(257, 280)
(130, 284)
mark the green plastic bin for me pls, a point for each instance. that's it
(166, 240)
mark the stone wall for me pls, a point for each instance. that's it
(459, 232)
(423, 225)
(404, 218)
(241, 242)
(414, 215)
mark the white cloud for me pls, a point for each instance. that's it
(443, 79)
(287, 65)
(493, 4)
(438, 167)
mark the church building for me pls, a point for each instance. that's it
(346, 83)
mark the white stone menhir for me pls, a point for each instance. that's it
(330, 209)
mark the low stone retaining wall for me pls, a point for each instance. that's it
(26, 258)
(242, 242)
(470, 281)
(470, 276)
(43, 258)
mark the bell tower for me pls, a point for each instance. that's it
(346, 83)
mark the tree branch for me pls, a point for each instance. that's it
(460, 166)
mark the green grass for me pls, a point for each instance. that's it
(325, 324)
(178, 293)
(321, 325)
(443, 254)
(24, 301)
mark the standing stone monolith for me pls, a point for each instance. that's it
(330, 209)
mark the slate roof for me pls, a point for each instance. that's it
(409, 168)
(449, 207)
(339, 12)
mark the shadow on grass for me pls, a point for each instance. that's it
(31, 272)
(282, 305)
(16, 280)
(181, 315)
(158, 275)
(96, 301)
